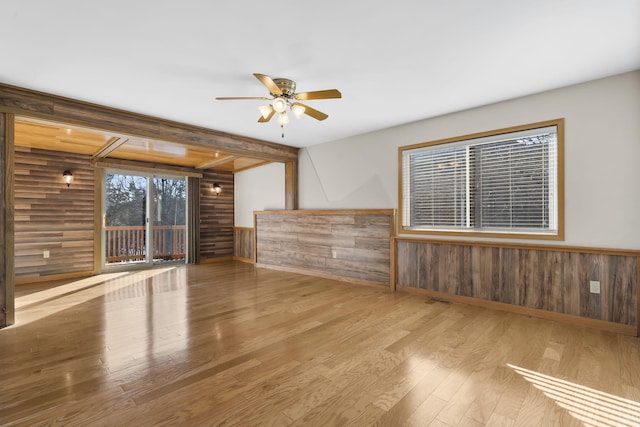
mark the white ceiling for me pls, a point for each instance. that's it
(394, 62)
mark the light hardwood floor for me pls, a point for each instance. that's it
(227, 344)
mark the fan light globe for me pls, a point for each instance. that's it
(265, 110)
(283, 119)
(298, 110)
(279, 104)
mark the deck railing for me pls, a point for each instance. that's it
(127, 243)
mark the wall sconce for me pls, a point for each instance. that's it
(67, 176)
(216, 189)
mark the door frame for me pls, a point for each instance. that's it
(99, 247)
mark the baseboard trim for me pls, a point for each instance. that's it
(219, 259)
(53, 277)
(242, 259)
(324, 275)
(527, 311)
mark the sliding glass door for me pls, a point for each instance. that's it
(169, 219)
(144, 219)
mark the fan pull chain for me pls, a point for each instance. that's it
(282, 127)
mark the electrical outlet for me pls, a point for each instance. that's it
(594, 287)
(45, 254)
(334, 254)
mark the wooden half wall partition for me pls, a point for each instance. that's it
(552, 282)
(348, 245)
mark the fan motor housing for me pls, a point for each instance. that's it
(288, 87)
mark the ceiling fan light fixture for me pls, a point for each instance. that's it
(265, 110)
(283, 118)
(283, 97)
(279, 104)
(298, 110)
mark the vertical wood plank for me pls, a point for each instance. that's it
(98, 238)
(533, 280)
(508, 271)
(193, 232)
(577, 272)
(7, 236)
(243, 242)
(556, 286)
(291, 185)
(591, 306)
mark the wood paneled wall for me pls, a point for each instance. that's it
(243, 242)
(306, 242)
(216, 216)
(552, 279)
(51, 216)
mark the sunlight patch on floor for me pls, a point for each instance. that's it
(38, 305)
(592, 407)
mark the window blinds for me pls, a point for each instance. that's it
(504, 182)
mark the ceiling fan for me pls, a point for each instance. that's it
(283, 95)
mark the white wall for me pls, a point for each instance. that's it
(258, 189)
(602, 158)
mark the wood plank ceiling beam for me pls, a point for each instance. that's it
(52, 107)
(156, 168)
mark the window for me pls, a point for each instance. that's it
(506, 182)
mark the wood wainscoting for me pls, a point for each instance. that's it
(348, 245)
(53, 217)
(544, 281)
(243, 244)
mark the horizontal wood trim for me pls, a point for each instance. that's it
(214, 260)
(246, 260)
(52, 107)
(554, 122)
(155, 168)
(527, 311)
(243, 228)
(53, 277)
(329, 212)
(324, 275)
(476, 234)
(560, 248)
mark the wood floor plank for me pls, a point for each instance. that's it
(231, 344)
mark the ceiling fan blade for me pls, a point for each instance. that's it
(269, 83)
(263, 119)
(228, 98)
(318, 94)
(318, 115)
